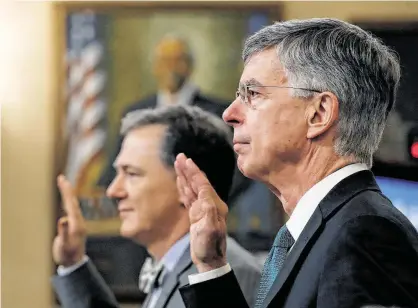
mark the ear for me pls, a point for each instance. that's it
(321, 114)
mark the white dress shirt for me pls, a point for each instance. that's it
(170, 260)
(183, 96)
(63, 271)
(300, 216)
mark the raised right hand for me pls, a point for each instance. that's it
(207, 214)
(69, 245)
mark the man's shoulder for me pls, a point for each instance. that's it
(373, 205)
(369, 217)
(144, 103)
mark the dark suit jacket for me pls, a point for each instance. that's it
(85, 288)
(356, 250)
(198, 100)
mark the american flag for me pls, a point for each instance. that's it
(86, 103)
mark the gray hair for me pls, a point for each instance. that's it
(331, 55)
(200, 135)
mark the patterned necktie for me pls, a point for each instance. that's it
(274, 263)
(151, 276)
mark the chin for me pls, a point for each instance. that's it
(248, 168)
(244, 167)
(128, 231)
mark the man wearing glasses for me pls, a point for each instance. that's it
(311, 108)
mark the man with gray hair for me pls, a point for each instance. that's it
(310, 111)
(150, 209)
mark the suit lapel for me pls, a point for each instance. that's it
(333, 201)
(146, 301)
(151, 102)
(195, 98)
(173, 279)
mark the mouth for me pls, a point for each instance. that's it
(236, 141)
(124, 211)
(239, 145)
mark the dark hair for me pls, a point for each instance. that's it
(198, 134)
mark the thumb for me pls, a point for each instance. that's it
(62, 229)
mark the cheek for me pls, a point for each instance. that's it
(263, 132)
(152, 198)
(132, 225)
(272, 133)
(140, 194)
(282, 126)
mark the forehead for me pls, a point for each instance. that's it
(170, 47)
(264, 67)
(141, 144)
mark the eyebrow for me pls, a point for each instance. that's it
(127, 166)
(250, 83)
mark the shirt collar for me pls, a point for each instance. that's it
(311, 199)
(183, 96)
(173, 255)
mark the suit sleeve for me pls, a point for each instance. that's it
(222, 292)
(84, 288)
(373, 261)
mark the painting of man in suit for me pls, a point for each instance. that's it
(172, 68)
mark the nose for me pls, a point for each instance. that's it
(234, 114)
(116, 189)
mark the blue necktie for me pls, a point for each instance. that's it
(274, 263)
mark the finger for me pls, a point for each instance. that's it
(182, 194)
(178, 168)
(180, 162)
(214, 218)
(196, 212)
(70, 202)
(187, 189)
(186, 192)
(62, 229)
(181, 158)
(190, 195)
(197, 179)
(184, 186)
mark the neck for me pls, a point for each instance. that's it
(160, 246)
(293, 181)
(172, 93)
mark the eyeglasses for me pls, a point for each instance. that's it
(247, 92)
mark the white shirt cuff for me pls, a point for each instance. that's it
(201, 277)
(64, 271)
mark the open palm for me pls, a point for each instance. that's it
(69, 244)
(207, 213)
